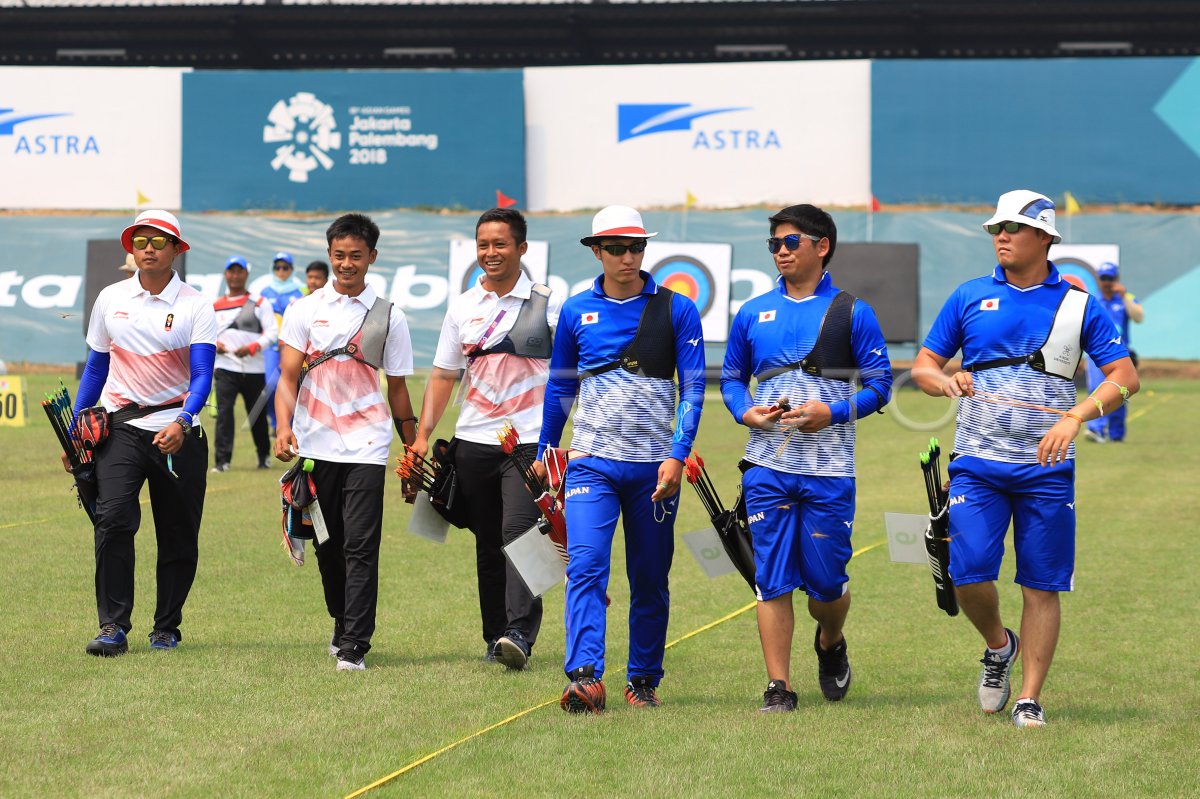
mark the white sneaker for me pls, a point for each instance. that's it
(1028, 713)
(350, 664)
(994, 688)
(1096, 437)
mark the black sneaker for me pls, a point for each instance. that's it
(585, 694)
(512, 649)
(351, 658)
(833, 668)
(109, 643)
(490, 655)
(639, 692)
(264, 463)
(778, 699)
(163, 640)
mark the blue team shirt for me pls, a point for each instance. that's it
(989, 318)
(281, 300)
(621, 415)
(1115, 306)
(774, 330)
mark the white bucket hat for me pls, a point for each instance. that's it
(1028, 208)
(616, 222)
(162, 220)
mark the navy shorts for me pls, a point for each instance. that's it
(1039, 501)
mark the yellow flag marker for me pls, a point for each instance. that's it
(1070, 204)
(690, 201)
(142, 199)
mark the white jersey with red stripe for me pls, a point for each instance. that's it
(228, 309)
(147, 337)
(342, 414)
(499, 386)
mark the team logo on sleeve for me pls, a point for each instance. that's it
(590, 318)
(766, 316)
(170, 321)
(992, 304)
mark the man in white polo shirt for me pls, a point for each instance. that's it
(498, 334)
(329, 408)
(151, 343)
(247, 327)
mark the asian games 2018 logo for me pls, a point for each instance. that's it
(306, 132)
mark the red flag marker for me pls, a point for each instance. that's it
(503, 200)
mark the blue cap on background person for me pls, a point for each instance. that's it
(1108, 270)
(237, 260)
(286, 257)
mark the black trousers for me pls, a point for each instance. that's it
(351, 500)
(229, 385)
(501, 509)
(126, 461)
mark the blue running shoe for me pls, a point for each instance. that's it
(109, 643)
(163, 640)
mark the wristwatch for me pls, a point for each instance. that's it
(184, 421)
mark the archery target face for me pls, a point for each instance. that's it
(1082, 261)
(699, 272)
(464, 269)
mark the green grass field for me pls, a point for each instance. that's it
(250, 704)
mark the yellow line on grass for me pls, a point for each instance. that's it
(1143, 411)
(423, 760)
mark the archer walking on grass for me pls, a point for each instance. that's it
(1021, 330)
(806, 343)
(151, 344)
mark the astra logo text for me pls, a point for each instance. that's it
(43, 140)
(635, 120)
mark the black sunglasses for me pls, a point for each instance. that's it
(620, 249)
(282, 267)
(791, 241)
(1007, 227)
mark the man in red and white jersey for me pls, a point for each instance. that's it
(246, 325)
(498, 334)
(151, 343)
(329, 408)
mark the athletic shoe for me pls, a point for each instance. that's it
(163, 640)
(993, 679)
(585, 694)
(778, 699)
(335, 642)
(490, 655)
(639, 692)
(350, 658)
(109, 643)
(220, 467)
(264, 463)
(1091, 435)
(1028, 713)
(833, 668)
(513, 650)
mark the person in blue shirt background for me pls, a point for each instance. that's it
(1021, 330)
(284, 289)
(631, 435)
(799, 481)
(1123, 308)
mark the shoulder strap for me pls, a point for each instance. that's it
(247, 319)
(1060, 353)
(652, 351)
(530, 336)
(369, 348)
(831, 355)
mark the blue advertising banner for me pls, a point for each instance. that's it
(352, 140)
(1110, 130)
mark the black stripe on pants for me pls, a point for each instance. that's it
(351, 500)
(501, 509)
(250, 386)
(125, 461)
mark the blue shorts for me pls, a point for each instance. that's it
(801, 526)
(1039, 500)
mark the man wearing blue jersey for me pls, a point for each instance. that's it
(617, 350)
(1123, 308)
(1021, 330)
(807, 343)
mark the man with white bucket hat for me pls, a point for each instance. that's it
(619, 346)
(1021, 330)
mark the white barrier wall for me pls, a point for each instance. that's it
(97, 138)
(727, 134)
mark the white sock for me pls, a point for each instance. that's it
(1006, 650)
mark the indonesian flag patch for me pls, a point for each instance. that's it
(990, 305)
(766, 316)
(590, 318)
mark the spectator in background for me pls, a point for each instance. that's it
(283, 290)
(316, 275)
(1122, 307)
(246, 327)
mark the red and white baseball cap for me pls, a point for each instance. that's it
(616, 222)
(162, 220)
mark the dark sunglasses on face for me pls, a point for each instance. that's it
(282, 268)
(620, 249)
(791, 241)
(1008, 227)
(157, 242)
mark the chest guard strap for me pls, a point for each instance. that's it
(530, 336)
(652, 351)
(1060, 353)
(366, 344)
(831, 356)
(247, 320)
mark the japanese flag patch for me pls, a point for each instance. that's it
(766, 316)
(589, 318)
(992, 304)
